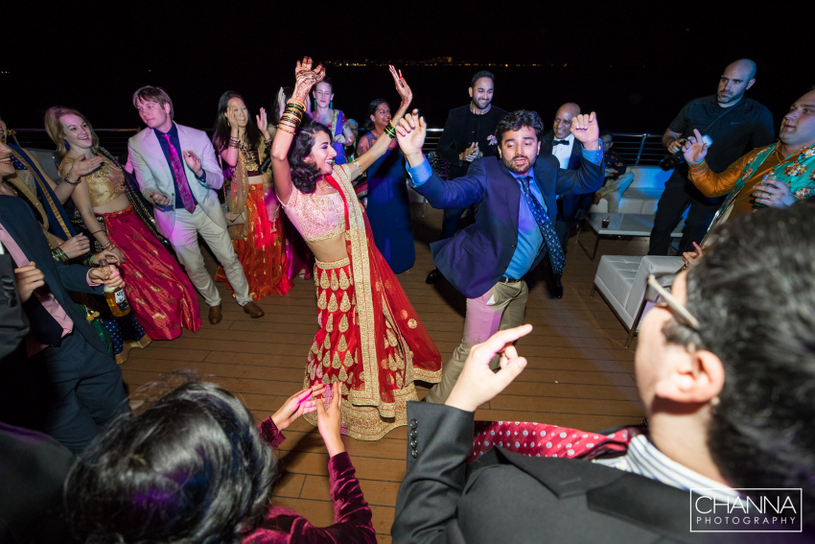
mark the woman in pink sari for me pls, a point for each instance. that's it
(158, 290)
(370, 339)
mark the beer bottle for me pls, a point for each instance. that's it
(116, 298)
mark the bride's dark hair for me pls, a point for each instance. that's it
(304, 175)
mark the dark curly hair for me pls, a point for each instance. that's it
(516, 120)
(222, 132)
(190, 468)
(754, 294)
(304, 175)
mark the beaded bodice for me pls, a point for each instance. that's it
(316, 216)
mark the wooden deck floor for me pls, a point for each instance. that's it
(579, 373)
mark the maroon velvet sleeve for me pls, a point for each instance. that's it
(352, 517)
(270, 433)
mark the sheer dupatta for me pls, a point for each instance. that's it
(379, 296)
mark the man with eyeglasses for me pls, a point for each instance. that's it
(725, 372)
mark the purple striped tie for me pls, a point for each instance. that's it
(180, 177)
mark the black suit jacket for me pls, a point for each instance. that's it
(60, 278)
(508, 497)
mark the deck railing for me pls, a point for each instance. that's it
(635, 148)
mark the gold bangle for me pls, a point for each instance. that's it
(285, 129)
(390, 130)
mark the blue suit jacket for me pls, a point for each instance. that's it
(476, 257)
(19, 221)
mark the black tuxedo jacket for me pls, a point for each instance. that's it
(19, 221)
(508, 497)
(546, 151)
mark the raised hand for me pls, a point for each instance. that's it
(401, 85)
(302, 402)
(694, 149)
(76, 246)
(83, 166)
(28, 278)
(477, 383)
(193, 162)
(232, 119)
(410, 133)
(329, 422)
(306, 77)
(586, 130)
(263, 123)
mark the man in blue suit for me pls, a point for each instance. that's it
(62, 381)
(514, 198)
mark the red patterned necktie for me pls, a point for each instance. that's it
(542, 440)
(180, 177)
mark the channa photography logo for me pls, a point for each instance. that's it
(754, 510)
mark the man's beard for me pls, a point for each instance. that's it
(479, 106)
(513, 168)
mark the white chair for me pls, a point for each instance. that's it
(623, 283)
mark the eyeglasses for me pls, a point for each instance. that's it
(669, 302)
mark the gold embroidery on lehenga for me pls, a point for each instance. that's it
(343, 345)
(345, 305)
(321, 304)
(335, 284)
(412, 323)
(344, 323)
(332, 303)
(335, 362)
(329, 324)
(324, 281)
(345, 283)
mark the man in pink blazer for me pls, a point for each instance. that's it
(177, 171)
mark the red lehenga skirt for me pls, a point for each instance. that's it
(263, 253)
(370, 340)
(160, 293)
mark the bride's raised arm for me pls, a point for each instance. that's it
(287, 126)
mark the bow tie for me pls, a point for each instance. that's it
(560, 142)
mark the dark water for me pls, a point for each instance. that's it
(627, 97)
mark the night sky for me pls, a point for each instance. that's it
(636, 66)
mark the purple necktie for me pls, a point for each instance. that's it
(180, 177)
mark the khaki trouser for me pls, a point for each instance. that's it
(502, 307)
(184, 238)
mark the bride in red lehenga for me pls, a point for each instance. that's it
(370, 338)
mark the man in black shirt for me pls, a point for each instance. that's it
(469, 134)
(736, 124)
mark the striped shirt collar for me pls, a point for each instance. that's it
(645, 459)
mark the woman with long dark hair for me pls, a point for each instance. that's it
(388, 203)
(370, 339)
(192, 468)
(160, 293)
(257, 234)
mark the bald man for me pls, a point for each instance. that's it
(564, 152)
(736, 124)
